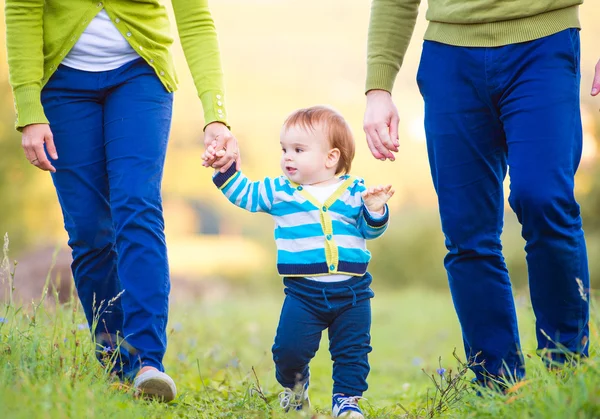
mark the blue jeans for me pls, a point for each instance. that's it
(487, 109)
(344, 308)
(111, 130)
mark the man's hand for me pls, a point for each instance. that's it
(34, 137)
(221, 148)
(376, 198)
(381, 124)
(596, 82)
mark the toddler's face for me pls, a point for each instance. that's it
(303, 155)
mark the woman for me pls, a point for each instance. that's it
(93, 84)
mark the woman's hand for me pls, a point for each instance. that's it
(221, 148)
(375, 198)
(34, 137)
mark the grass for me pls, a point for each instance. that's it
(219, 355)
(219, 350)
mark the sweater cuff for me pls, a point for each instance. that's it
(378, 221)
(376, 216)
(381, 77)
(213, 104)
(221, 179)
(28, 107)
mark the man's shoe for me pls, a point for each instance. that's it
(155, 385)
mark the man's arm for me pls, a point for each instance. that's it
(391, 27)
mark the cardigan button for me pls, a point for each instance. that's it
(331, 267)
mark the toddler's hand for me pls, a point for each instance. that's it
(210, 156)
(376, 197)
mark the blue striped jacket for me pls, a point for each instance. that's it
(312, 238)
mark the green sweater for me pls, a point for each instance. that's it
(40, 33)
(473, 23)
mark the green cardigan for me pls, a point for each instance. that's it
(40, 33)
(471, 23)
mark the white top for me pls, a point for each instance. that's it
(101, 47)
(322, 193)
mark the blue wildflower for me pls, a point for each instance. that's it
(417, 361)
(81, 326)
(3, 320)
(441, 371)
(181, 357)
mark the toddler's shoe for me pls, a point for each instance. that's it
(295, 399)
(346, 407)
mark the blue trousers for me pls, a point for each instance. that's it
(111, 130)
(487, 109)
(344, 308)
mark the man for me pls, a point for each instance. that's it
(500, 81)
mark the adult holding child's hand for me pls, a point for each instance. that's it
(218, 138)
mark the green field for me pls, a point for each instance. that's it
(47, 369)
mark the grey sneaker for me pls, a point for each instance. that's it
(295, 399)
(156, 385)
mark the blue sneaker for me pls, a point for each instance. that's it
(346, 407)
(296, 399)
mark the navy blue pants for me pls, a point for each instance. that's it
(111, 130)
(487, 109)
(344, 308)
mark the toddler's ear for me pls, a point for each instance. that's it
(333, 158)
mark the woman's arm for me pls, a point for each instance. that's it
(24, 41)
(200, 46)
(25, 47)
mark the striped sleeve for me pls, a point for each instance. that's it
(251, 196)
(370, 226)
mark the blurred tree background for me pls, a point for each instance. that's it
(278, 56)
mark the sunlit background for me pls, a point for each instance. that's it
(279, 55)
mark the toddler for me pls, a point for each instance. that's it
(323, 217)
